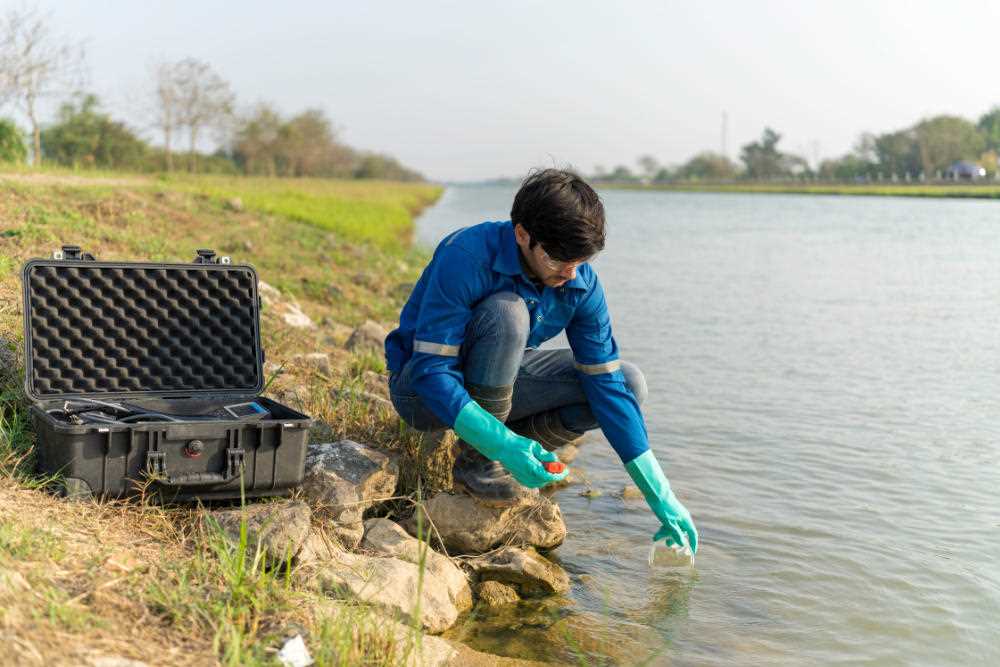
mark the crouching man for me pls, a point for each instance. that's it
(465, 354)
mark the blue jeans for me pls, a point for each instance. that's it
(493, 355)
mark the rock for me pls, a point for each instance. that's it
(343, 479)
(363, 396)
(631, 492)
(280, 528)
(234, 204)
(294, 317)
(369, 337)
(523, 569)
(376, 383)
(268, 294)
(286, 308)
(387, 537)
(318, 548)
(335, 334)
(402, 291)
(495, 594)
(317, 361)
(8, 359)
(429, 651)
(390, 583)
(567, 453)
(466, 527)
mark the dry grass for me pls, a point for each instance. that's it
(132, 579)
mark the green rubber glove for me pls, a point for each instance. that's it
(521, 456)
(646, 472)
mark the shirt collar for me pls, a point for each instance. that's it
(508, 258)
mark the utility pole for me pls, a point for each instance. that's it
(725, 134)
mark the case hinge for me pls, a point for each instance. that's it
(236, 459)
(207, 256)
(72, 252)
(156, 463)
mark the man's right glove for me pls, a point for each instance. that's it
(646, 472)
(519, 455)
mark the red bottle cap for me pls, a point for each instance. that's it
(554, 467)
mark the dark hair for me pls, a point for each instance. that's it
(560, 211)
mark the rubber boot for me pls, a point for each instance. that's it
(545, 428)
(485, 480)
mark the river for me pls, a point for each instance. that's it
(824, 379)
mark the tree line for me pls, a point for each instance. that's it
(187, 101)
(925, 151)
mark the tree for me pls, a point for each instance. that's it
(944, 139)
(898, 153)
(34, 65)
(707, 165)
(83, 136)
(12, 148)
(762, 159)
(989, 127)
(649, 166)
(190, 94)
(167, 98)
(257, 141)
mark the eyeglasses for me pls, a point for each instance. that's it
(556, 265)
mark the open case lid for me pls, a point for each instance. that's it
(118, 329)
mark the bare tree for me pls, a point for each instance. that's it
(191, 95)
(35, 64)
(168, 112)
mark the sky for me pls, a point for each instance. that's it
(473, 90)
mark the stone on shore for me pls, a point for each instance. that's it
(467, 527)
(398, 638)
(285, 307)
(525, 570)
(317, 361)
(390, 583)
(342, 480)
(280, 528)
(369, 337)
(495, 594)
(631, 492)
(387, 537)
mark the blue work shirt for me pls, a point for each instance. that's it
(476, 262)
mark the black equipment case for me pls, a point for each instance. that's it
(180, 342)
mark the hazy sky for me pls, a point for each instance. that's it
(471, 90)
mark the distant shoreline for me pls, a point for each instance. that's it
(940, 191)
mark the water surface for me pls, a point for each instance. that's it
(824, 379)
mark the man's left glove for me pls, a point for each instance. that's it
(646, 472)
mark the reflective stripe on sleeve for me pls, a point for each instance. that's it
(435, 348)
(597, 369)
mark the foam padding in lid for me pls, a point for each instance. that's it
(113, 328)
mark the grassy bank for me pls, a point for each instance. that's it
(82, 581)
(956, 191)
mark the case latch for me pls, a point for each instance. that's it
(72, 252)
(207, 256)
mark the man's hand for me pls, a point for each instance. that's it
(521, 456)
(524, 458)
(646, 472)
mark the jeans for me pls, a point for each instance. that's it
(493, 355)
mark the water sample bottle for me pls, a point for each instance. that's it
(675, 555)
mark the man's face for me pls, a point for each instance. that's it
(552, 273)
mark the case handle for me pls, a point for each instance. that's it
(156, 469)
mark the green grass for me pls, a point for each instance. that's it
(959, 191)
(359, 211)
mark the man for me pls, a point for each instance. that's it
(465, 354)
